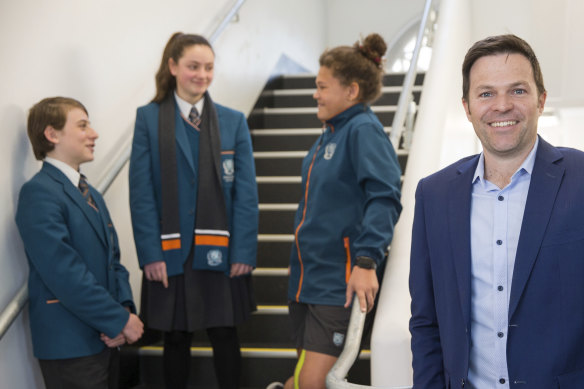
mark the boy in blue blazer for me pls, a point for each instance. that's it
(80, 300)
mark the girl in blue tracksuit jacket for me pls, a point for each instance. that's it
(350, 204)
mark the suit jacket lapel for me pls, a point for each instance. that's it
(102, 215)
(544, 186)
(460, 194)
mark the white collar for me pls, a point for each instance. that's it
(185, 107)
(72, 174)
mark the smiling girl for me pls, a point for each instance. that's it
(194, 206)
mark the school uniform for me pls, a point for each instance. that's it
(78, 288)
(212, 298)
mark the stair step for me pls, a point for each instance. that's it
(279, 189)
(308, 80)
(260, 367)
(287, 139)
(289, 163)
(302, 117)
(274, 253)
(264, 329)
(271, 290)
(281, 98)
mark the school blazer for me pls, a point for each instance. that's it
(77, 285)
(546, 307)
(238, 182)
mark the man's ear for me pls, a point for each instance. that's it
(466, 108)
(51, 134)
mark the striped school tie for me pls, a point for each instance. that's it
(84, 188)
(194, 116)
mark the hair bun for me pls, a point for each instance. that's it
(372, 48)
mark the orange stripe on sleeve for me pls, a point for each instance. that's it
(348, 265)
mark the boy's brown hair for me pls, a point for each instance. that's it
(51, 111)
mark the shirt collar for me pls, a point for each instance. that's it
(526, 166)
(72, 174)
(185, 107)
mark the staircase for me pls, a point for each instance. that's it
(283, 126)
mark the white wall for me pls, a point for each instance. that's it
(348, 20)
(105, 54)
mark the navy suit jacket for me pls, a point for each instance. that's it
(77, 286)
(545, 344)
(238, 182)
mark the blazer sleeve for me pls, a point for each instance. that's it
(121, 274)
(243, 245)
(426, 348)
(143, 206)
(378, 174)
(42, 219)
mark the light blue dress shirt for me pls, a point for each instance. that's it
(496, 216)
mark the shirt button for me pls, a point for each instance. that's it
(499, 288)
(500, 198)
(499, 242)
(500, 334)
(501, 380)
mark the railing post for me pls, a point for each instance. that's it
(400, 114)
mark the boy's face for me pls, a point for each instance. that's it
(74, 144)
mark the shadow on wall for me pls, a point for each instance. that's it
(22, 166)
(287, 65)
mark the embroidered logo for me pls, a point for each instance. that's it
(329, 150)
(228, 170)
(338, 339)
(214, 258)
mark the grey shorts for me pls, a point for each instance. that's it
(319, 328)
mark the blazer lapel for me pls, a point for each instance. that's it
(182, 139)
(78, 199)
(544, 186)
(459, 226)
(90, 214)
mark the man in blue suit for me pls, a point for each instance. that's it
(80, 299)
(497, 261)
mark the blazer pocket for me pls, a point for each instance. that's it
(573, 380)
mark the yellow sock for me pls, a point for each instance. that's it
(298, 369)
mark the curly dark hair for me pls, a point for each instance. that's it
(361, 63)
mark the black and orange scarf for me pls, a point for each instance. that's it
(211, 235)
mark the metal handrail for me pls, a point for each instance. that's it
(336, 377)
(406, 96)
(16, 305)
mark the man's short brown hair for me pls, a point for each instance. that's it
(500, 44)
(51, 111)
